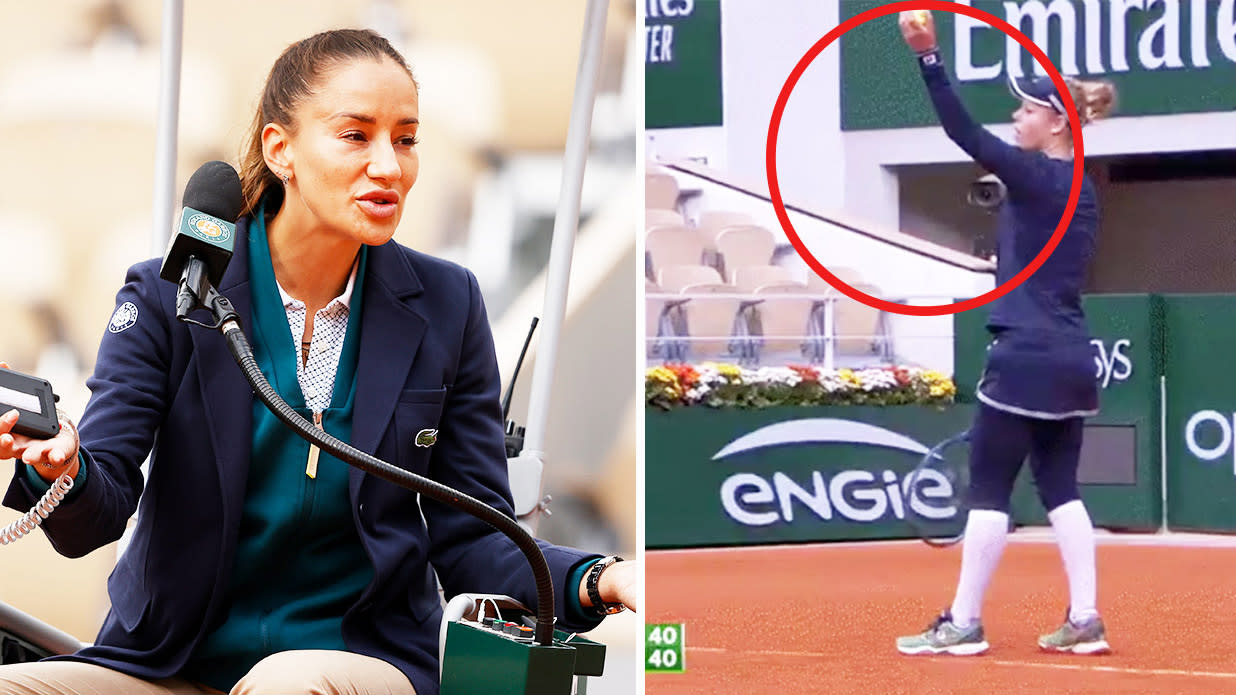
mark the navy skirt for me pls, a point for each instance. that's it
(1040, 375)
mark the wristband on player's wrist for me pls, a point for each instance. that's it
(930, 58)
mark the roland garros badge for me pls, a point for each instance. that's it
(124, 318)
(209, 228)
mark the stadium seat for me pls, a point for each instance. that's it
(713, 256)
(712, 222)
(749, 278)
(654, 307)
(672, 245)
(716, 326)
(660, 191)
(743, 246)
(654, 217)
(819, 285)
(784, 320)
(859, 329)
(673, 278)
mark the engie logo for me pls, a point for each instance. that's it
(1210, 420)
(208, 228)
(1112, 364)
(858, 495)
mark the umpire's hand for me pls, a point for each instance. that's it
(50, 458)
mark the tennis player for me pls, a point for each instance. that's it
(1039, 380)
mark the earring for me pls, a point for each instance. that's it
(285, 178)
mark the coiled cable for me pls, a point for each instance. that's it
(34, 518)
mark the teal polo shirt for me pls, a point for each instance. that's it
(299, 562)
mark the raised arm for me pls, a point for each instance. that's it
(1021, 170)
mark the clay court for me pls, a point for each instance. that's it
(821, 618)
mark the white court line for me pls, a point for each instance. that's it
(1027, 535)
(822, 545)
(998, 662)
(1116, 669)
(761, 652)
(1170, 539)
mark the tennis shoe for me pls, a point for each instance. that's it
(1086, 637)
(945, 637)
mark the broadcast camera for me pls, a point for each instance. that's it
(987, 192)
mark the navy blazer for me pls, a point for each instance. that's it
(426, 361)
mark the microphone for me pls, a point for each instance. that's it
(201, 245)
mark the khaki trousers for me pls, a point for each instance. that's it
(309, 671)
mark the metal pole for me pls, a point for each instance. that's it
(566, 225)
(1163, 526)
(830, 333)
(166, 138)
(167, 134)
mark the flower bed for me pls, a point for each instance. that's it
(729, 386)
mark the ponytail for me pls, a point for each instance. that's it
(1095, 99)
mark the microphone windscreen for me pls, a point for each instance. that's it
(206, 228)
(215, 190)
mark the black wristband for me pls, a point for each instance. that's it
(599, 607)
(930, 59)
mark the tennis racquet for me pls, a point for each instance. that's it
(936, 492)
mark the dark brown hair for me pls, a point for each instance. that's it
(292, 78)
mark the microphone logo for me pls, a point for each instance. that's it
(209, 229)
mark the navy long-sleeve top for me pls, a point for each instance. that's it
(1038, 190)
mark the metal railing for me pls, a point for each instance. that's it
(673, 338)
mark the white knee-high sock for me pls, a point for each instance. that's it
(986, 533)
(1075, 536)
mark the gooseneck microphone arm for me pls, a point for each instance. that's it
(193, 287)
(229, 323)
